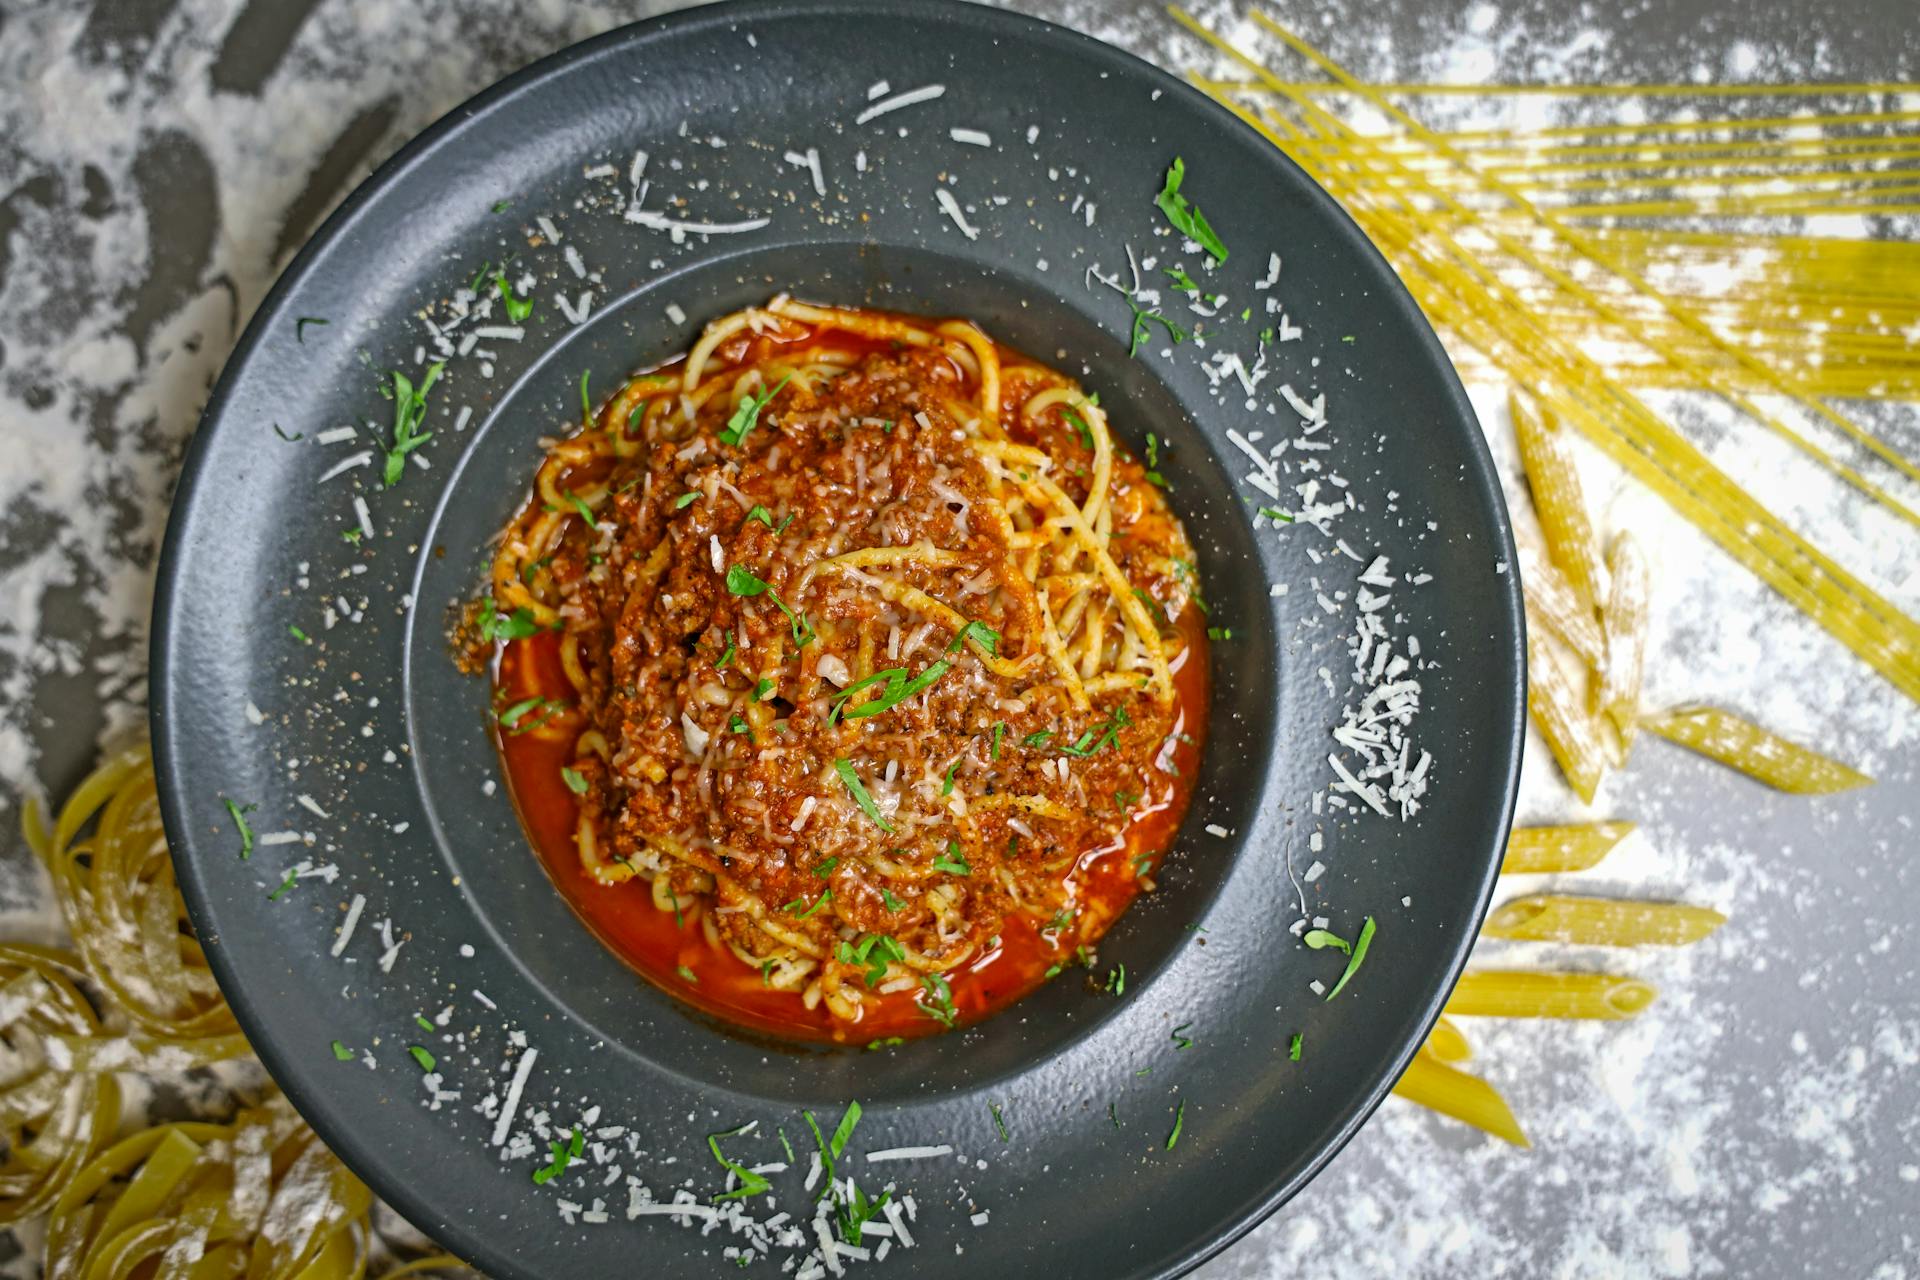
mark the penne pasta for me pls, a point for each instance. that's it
(1555, 484)
(1601, 922)
(1534, 850)
(1512, 993)
(1469, 1099)
(1581, 743)
(1445, 1043)
(1624, 621)
(1741, 744)
(1552, 600)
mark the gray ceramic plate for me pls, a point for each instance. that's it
(370, 723)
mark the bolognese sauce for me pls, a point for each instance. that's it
(849, 678)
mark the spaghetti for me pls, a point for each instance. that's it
(852, 674)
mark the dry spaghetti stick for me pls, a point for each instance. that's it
(1533, 850)
(1555, 485)
(1551, 598)
(1576, 739)
(1741, 744)
(1445, 1043)
(1624, 620)
(1601, 922)
(1469, 1099)
(1516, 993)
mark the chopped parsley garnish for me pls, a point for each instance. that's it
(765, 517)
(1184, 216)
(586, 512)
(586, 404)
(501, 206)
(751, 1183)
(1320, 940)
(953, 861)
(1099, 737)
(1113, 1114)
(409, 411)
(946, 787)
(998, 1122)
(562, 1157)
(1266, 334)
(988, 638)
(1153, 461)
(748, 414)
(1117, 980)
(898, 690)
(999, 731)
(855, 1215)
(1143, 863)
(518, 309)
(420, 1021)
(825, 869)
(480, 276)
(1142, 318)
(762, 689)
(687, 499)
(1179, 1122)
(518, 625)
(300, 327)
(1062, 919)
(888, 1042)
(421, 1056)
(726, 654)
(874, 952)
(1293, 1047)
(688, 974)
(239, 814)
(1219, 633)
(741, 581)
(1037, 738)
(575, 781)
(859, 793)
(1275, 513)
(1124, 799)
(285, 885)
(1360, 945)
(892, 903)
(298, 634)
(818, 902)
(350, 536)
(1180, 1041)
(1080, 426)
(766, 980)
(936, 999)
(514, 714)
(738, 725)
(341, 1053)
(290, 439)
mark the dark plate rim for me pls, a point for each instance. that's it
(1481, 475)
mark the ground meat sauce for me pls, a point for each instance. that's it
(801, 751)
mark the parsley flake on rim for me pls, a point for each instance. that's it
(1294, 1046)
(1179, 1122)
(747, 416)
(518, 309)
(409, 411)
(1360, 945)
(1320, 940)
(751, 1183)
(936, 1000)
(239, 812)
(562, 1157)
(285, 885)
(300, 327)
(859, 793)
(998, 1122)
(576, 782)
(295, 438)
(421, 1056)
(1182, 213)
(1275, 514)
(341, 1053)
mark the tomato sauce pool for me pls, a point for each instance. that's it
(666, 948)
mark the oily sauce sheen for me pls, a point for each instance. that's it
(849, 677)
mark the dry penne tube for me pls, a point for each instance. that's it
(1537, 850)
(1519, 993)
(1554, 481)
(1552, 601)
(1581, 743)
(1624, 622)
(1741, 744)
(1601, 922)
(1446, 1043)
(1469, 1099)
